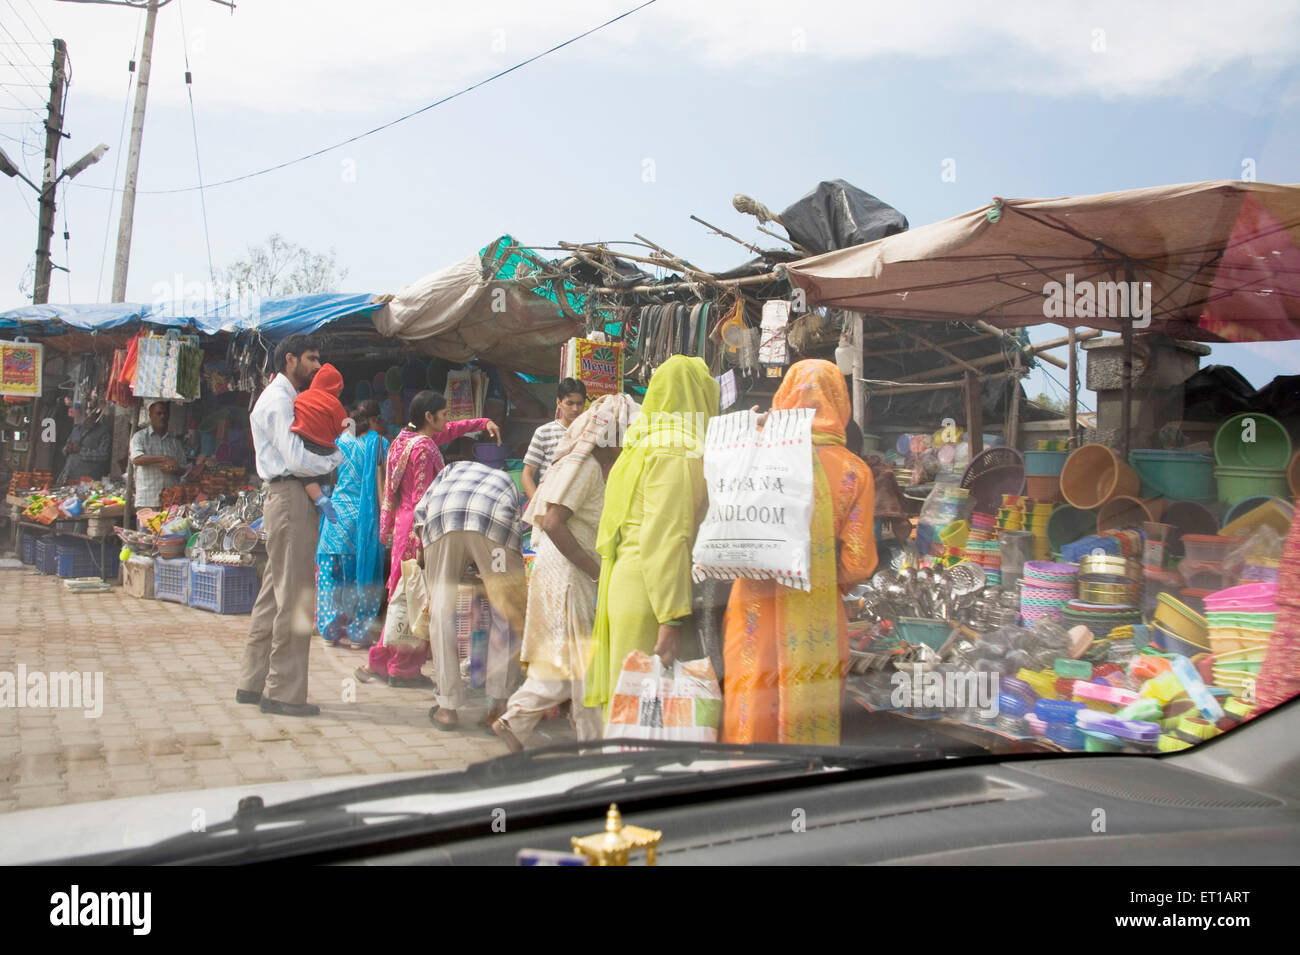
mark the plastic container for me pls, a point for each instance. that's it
(491, 454)
(1177, 475)
(1237, 484)
(1094, 474)
(1252, 440)
(29, 549)
(1123, 512)
(1248, 597)
(1067, 524)
(1187, 517)
(1244, 507)
(171, 579)
(1043, 487)
(1044, 463)
(1205, 548)
(1177, 618)
(1275, 513)
(932, 633)
(222, 589)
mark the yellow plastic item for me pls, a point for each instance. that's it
(1276, 513)
(1164, 687)
(1182, 621)
(1043, 682)
(1171, 744)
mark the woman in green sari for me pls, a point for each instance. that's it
(655, 498)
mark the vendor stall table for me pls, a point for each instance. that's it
(986, 738)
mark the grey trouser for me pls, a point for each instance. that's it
(445, 561)
(279, 633)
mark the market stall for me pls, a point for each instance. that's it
(1119, 588)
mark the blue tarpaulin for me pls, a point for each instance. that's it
(273, 318)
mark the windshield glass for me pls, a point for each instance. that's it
(903, 401)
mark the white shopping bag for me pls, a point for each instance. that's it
(678, 702)
(760, 499)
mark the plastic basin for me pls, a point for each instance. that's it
(933, 633)
(1094, 474)
(1128, 512)
(1236, 484)
(1181, 620)
(1044, 462)
(1187, 517)
(1177, 475)
(1252, 440)
(1067, 524)
(1274, 512)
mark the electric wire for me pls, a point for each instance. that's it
(400, 119)
(117, 162)
(194, 126)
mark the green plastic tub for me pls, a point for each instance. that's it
(1045, 462)
(1067, 524)
(1237, 484)
(933, 633)
(1252, 440)
(1176, 475)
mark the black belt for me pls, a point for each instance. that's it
(285, 477)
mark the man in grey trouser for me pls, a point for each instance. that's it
(274, 670)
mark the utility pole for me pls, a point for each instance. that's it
(122, 261)
(49, 177)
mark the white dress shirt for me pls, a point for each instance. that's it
(279, 451)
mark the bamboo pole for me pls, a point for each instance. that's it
(961, 362)
(903, 389)
(727, 235)
(974, 414)
(1074, 393)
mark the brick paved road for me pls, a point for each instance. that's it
(170, 721)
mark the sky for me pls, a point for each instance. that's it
(934, 107)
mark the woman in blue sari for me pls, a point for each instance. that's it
(350, 584)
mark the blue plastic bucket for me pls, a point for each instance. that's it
(1177, 475)
(1045, 462)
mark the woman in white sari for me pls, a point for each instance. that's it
(566, 571)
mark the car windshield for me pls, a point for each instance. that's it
(810, 390)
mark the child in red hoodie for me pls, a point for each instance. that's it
(319, 418)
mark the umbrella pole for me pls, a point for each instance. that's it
(1126, 396)
(1074, 394)
(974, 419)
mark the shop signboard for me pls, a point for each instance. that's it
(20, 369)
(597, 364)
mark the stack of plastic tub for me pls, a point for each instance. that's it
(1241, 621)
(1252, 452)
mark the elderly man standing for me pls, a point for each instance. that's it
(158, 457)
(274, 671)
(88, 448)
(470, 513)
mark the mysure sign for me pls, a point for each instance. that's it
(20, 369)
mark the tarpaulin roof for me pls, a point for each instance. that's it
(506, 305)
(274, 318)
(1222, 259)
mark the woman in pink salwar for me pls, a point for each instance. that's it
(414, 460)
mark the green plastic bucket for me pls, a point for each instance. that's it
(1252, 440)
(1237, 484)
(1067, 524)
(1176, 475)
(1045, 462)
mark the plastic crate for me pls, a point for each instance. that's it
(223, 589)
(29, 549)
(171, 579)
(47, 551)
(80, 558)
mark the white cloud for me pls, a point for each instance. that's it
(333, 56)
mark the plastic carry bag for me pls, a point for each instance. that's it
(760, 499)
(407, 621)
(678, 702)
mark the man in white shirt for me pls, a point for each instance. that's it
(157, 456)
(274, 670)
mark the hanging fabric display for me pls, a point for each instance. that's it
(168, 367)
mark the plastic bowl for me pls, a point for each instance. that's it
(1187, 517)
(1252, 440)
(1172, 643)
(1184, 622)
(932, 633)
(1122, 512)
(1252, 597)
(1178, 475)
(1094, 474)
(1044, 463)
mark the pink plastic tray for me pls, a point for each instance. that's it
(1243, 597)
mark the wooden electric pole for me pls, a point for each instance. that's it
(49, 177)
(123, 258)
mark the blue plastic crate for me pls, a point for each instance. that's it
(223, 589)
(29, 549)
(47, 552)
(171, 579)
(81, 558)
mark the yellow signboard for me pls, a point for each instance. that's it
(20, 369)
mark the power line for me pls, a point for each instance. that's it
(117, 161)
(30, 31)
(22, 51)
(194, 125)
(40, 19)
(371, 132)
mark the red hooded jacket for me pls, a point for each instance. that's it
(318, 414)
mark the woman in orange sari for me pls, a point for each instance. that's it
(787, 651)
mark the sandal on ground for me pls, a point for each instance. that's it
(366, 675)
(446, 727)
(507, 737)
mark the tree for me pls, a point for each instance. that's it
(279, 267)
(1050, 403)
